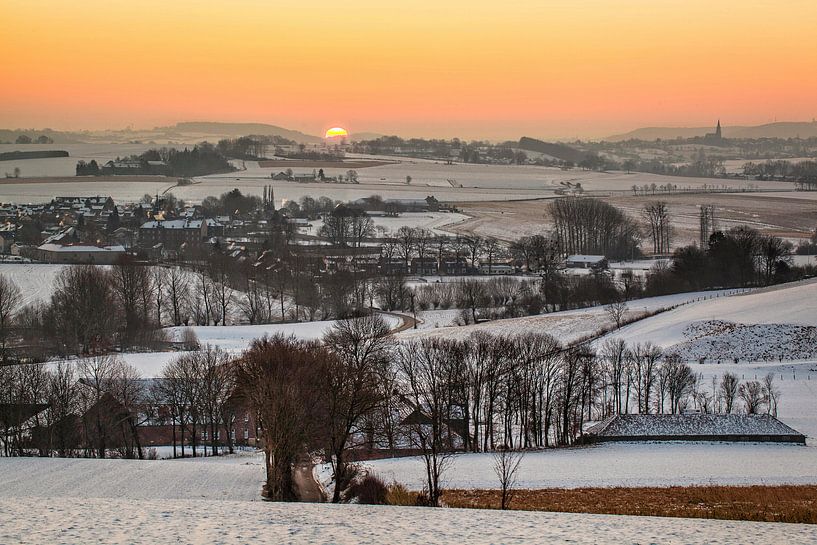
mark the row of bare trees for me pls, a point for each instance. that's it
(642, 379)
(90, 407)
(591, 226)
(96, 406)
(195, 397)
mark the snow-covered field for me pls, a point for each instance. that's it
(457, 182)
(433, 221)
(567, 326)
(625, 464)
(67, 520)
(236, 477)
(35, 280)
(772, 308)
(239, 337)
(232, 339)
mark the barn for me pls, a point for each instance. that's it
(761, 428)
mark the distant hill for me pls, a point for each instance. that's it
(59, 137)
(782, 129)
(239, 129)
(19, 155)
(557, 151)
(361, 136)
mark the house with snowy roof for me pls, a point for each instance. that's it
(173, 233)
(586, 262)
(759, 428)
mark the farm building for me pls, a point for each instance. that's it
(77, 254)
(761, 428)
(586, 262)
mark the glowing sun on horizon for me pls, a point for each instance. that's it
(337, 132)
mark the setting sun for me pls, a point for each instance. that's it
(337, 132)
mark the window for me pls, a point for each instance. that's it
(246, 433)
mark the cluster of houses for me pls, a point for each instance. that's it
(95, 230)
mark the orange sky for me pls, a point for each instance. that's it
(447, 68)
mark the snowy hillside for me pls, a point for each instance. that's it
(567, 326)
(67, 520)
(35, 280)
(723, 341)
(715, 328)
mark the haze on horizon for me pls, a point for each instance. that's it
(472, 69)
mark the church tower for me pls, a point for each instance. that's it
(718, 130)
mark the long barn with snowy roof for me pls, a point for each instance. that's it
(762, 428)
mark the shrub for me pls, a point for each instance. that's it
(369, 490)
(190, 340)
(398, 494)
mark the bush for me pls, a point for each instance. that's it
(190, 341)
(370, 490)
(398, 494)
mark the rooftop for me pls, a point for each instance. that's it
(691, 427)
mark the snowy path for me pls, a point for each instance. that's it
(67, 520)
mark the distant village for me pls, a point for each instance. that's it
(96, 230)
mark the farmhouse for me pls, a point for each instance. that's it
(586, 262)
(77, 254)
(173, 233)
(761, 428)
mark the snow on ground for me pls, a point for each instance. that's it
(64, 520)
(149, 364)
(797, 382)
(720, 340)
(431, 319)
(233, 338)
(435, 222)
(133, 479)
(239, 337)
(35, 280)
(567, 326)
(794, 304)
(625, 464)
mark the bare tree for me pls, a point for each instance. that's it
(80, 323)
(728, 390)
(352, 385)
(10, 298)
(506, 466)
(279, 379)
(405, 239)
(177, 288)
(656, 214)
(422, 368)
(752, 395)
(616, 311)
(474, 245)
(491, 248)
(772, 394)
(97, 374)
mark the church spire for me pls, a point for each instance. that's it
(718, 130)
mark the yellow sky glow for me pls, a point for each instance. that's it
(468, 68)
